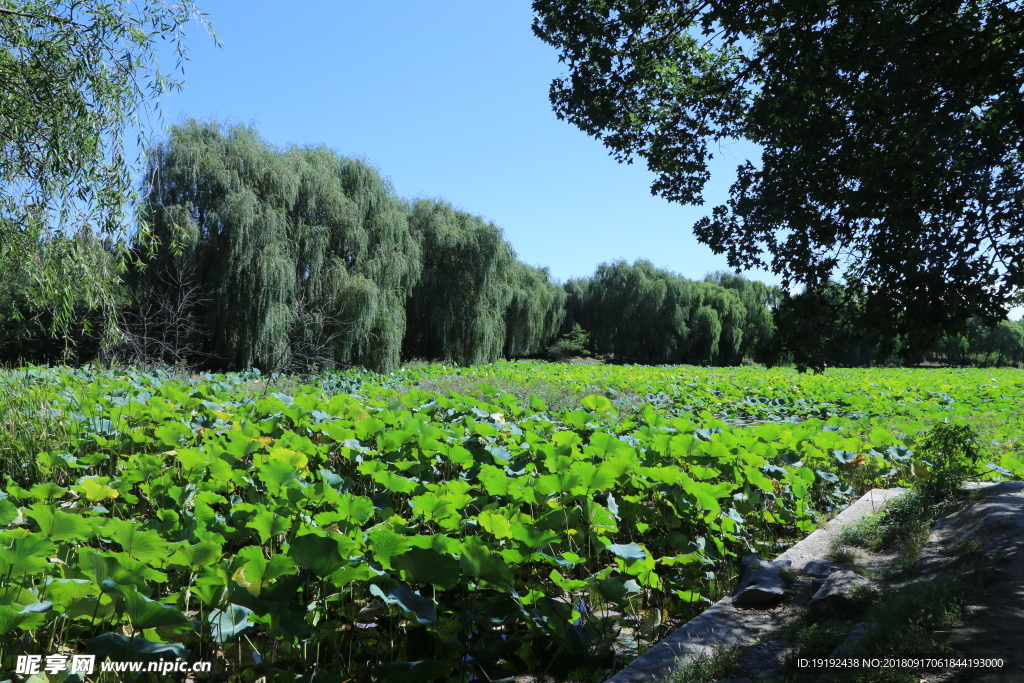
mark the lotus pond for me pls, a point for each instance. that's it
(437, 524)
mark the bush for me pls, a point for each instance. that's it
(572, 344)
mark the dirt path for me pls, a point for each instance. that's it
(993, 616)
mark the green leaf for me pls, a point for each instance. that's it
(386, 544)
(25, 556)
(120, 647)
(495, 523)
(630, 551)
(227, 623)
(427, 566)
(47, 490)
(59, 526)
(277, 473)
(597, 403)
(144, 546)
(483, 564)
(321, 556)
(8, 512)
(195, 557)
(11, 619)
(354, 508)
(424, 609)
(268, 524)
(146, 613)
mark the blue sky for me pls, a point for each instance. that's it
(449, 100)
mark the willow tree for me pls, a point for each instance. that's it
(292, 249)
(76, 76)
(457, 311)
(758, 301)
(638, 312)
(732, 319)
(575, 299)
(707, 331)
(534, 313)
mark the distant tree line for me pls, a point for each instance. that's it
(301, 259)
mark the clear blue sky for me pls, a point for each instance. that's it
(448, 99)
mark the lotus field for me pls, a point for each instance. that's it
(438, 524)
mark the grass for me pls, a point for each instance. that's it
(708, 667)
(558, 397)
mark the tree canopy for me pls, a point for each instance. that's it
(76, 76)
(891, 137)
(298, 254)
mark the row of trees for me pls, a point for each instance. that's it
(300, 258)
(254, 256)
(642, 314)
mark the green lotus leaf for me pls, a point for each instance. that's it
(591, 478)
(563, 482)
(605, 445)
(277, 473)
(107, 570)
(369, 427)
(268, 524)
(59, 526)
(8, 512)
(495, 523)
(172, 434)
(202, 554)
(597, 403)
(424, 609)
(144, 546)
(393, 482)
(629, 551)
(117, 646)
(25, 556)
(144, 612)
(47, 490)
(559, 519)
(320, 555)
(96, 489)
(63, 591)
(11, 619)
(486, 566)
(758, 479)
(227, 623)
(426, 566)
(434, 508)
(387, 544)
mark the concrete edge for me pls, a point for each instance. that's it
(722, 625)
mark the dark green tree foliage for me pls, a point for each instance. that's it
(575, 297)
(642, 314)
(638, 313)
(457, 310)
(981, 344)
(298, 253)
(706, 336)
(822, 318)
(534, 313)
(758, 300)
(891, 136)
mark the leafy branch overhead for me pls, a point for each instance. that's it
(890, 132)
(75, 77)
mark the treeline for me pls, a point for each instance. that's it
(301, 259)
(642, 314)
